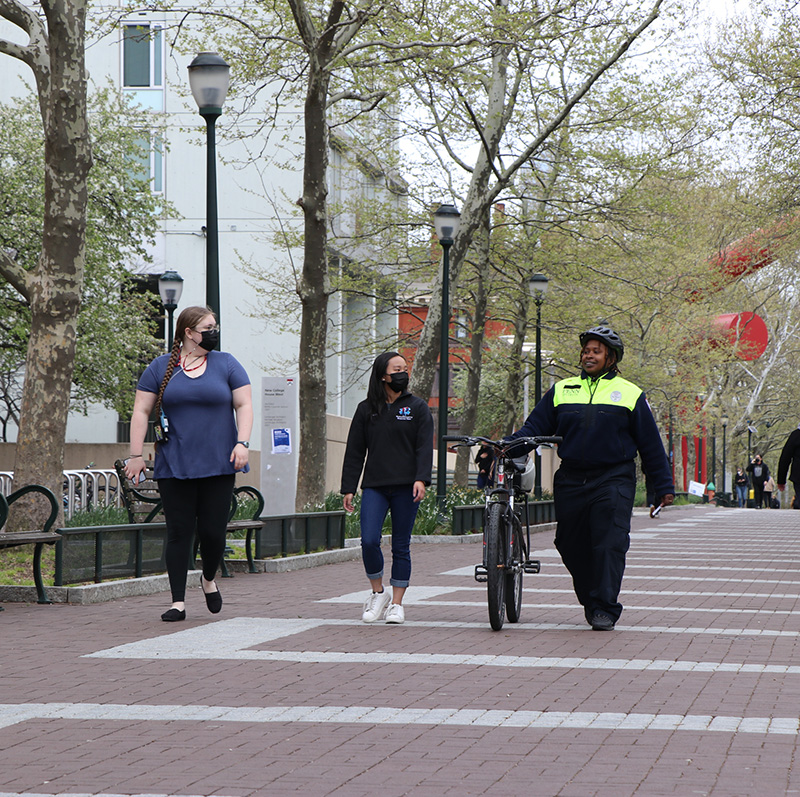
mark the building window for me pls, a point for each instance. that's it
(148, 165)
(142, 55)
(143, 64)
(461, 326)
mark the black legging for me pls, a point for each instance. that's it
(190, 505)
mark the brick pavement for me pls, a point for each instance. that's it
(287, 692)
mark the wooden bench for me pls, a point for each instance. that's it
(143, 504)
(38, 538)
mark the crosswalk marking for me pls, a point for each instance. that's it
(11, 714)
(236, 639)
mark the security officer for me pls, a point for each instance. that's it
(604, 420)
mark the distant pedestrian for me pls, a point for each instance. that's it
(789, 464)
(769, 489)
(393, 431)
(484, 459)
(759, 473)
(742, 484)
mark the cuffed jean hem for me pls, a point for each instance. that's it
(395, 583)
(375, 576)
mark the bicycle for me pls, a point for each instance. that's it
(506, 550)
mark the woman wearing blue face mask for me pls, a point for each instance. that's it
(393, 431)
(203, 407)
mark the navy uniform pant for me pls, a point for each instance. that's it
(593, 513)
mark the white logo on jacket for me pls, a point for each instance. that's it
(615, 395)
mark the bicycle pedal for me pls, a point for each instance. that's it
(532, 566)
(481, 574)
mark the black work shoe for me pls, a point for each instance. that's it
(602, 622)
(173, 615)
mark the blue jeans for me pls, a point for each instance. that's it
(375, 503)
(741, 495)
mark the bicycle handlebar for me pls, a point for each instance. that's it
(473, 440)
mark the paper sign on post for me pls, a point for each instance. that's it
(281, 441)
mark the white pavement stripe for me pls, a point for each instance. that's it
(699, 609)
(235, 640)
(382, 715)
(411, 599)
(632, 564)
(635, 559)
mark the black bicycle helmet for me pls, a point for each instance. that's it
(604, 335)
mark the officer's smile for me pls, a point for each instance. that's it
(594, 357)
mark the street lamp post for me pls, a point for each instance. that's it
(209, 78)
(724, 422)
(170, 287)
(537, 285)
(714, 454)
(445, 219)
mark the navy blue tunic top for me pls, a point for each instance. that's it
(202, 427)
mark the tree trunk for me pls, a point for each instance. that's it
(470, 413)
(514, 370)
(477, 204)
(54, 287)
(313, 290)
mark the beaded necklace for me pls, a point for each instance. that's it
(199, 365)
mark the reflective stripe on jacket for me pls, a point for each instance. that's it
(604, 422)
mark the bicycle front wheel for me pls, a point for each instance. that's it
(494, 535)
(513, 587)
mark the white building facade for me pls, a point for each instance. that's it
(258, 220)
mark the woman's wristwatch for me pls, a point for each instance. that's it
(243, 443)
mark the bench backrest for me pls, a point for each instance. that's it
(6, 501)
(142, 501)
(248, 493)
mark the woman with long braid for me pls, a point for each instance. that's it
(194, 392)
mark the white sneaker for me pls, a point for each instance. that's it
(395, 614)
(375, 605)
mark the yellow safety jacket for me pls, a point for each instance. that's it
(604, 422)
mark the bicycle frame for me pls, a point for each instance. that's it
(505, 548)
(505, 493)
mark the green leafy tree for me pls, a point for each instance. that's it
(115, 333)
(329, 65)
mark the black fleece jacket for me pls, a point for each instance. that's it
(397, 444)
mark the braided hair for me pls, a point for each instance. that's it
(189, 318)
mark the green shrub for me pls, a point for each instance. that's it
(98, 516)
(428, 519)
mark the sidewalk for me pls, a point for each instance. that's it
(287, 692)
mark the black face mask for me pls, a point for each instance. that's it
(399, 382)
(210, 339)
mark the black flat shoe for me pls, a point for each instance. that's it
(173, 615)
(213, 600)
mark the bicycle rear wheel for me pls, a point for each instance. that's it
(494, 534)
(513, 587)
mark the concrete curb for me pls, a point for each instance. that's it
(96, 593)
(152, 585)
